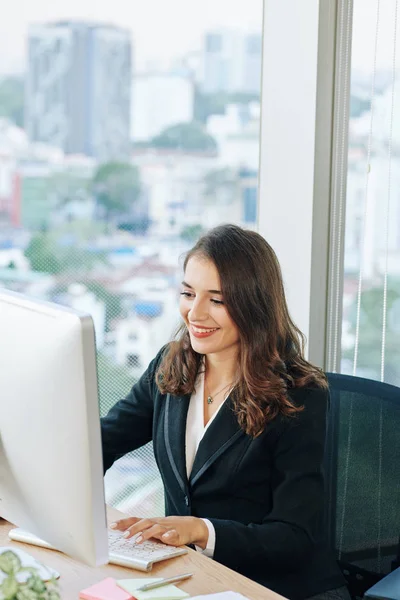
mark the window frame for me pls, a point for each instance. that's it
(303, 160)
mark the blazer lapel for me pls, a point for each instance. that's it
(175, 415)
(219, 437)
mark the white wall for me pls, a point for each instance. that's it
(289, 94)
(298, 182)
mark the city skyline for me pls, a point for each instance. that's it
(154, 42)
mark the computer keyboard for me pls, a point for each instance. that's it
(122, 551)
(140, 556)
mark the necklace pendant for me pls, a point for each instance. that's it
(209, 400)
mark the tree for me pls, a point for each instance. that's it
(12, 99)
(42, 254)
(111, 301)
(47, 255)
(79, 260)
(191, 233)
(116, 186)
(370, 337)
(115, 382)
(190, 137)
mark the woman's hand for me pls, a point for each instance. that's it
(175, 531)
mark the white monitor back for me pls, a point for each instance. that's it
(51, 471)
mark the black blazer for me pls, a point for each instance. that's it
(264, 496)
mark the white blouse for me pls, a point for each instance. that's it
(195, 430)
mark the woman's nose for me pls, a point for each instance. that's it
(198, 312)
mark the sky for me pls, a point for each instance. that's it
(164, 29)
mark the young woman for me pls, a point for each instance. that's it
(237, 417)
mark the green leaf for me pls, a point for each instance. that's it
(52, 595)
(9, 587)
(25, 593)
(9, 562)
(36, 584)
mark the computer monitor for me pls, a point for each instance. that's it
(51, 470)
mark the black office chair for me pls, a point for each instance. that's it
(363, 480)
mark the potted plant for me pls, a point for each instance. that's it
(23, 583)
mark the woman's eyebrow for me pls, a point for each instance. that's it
(209, 291)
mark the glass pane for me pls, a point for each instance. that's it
(124, 137)
(372, 239)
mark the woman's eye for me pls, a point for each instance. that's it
(219, 302)
(187, 294)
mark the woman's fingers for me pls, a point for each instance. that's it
(147, 528)
(171, 537)
(156, 531)
(139, 526)
(175, 531)
(123, 524)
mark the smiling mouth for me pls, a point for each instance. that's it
(203, 329)
(202, 332)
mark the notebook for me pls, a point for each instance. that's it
(166, 592)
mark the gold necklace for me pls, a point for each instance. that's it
(210, 399)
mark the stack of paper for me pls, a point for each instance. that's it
(127, 589)
(166, 592)
(107, 589)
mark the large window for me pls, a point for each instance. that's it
(371, 304)
(123, 137)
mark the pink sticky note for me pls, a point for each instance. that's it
(105, 590)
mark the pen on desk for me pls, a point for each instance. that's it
(167, 581)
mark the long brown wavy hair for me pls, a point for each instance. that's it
(271, 347)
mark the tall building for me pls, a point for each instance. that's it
(232, 62)
(78, 92)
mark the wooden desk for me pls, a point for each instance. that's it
(208, 575)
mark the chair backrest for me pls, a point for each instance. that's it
(363, 478)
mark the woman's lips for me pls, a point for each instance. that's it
(202, 332)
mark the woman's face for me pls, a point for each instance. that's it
(211, 329)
